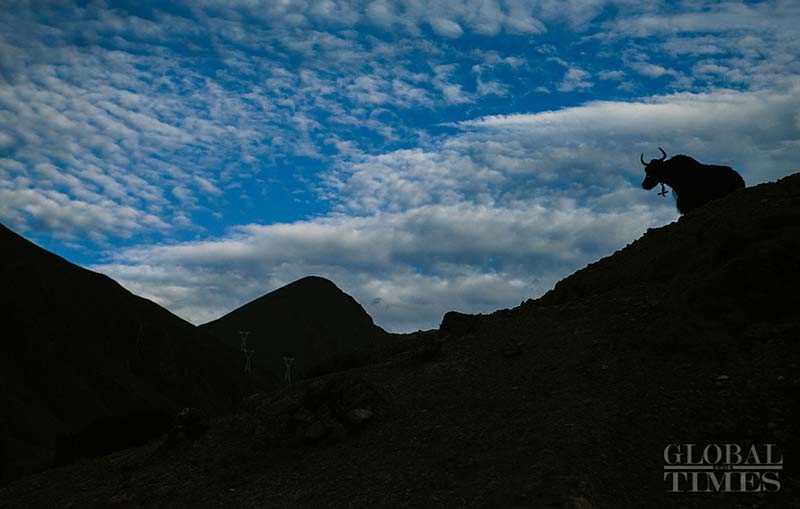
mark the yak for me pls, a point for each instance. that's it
(693, 183)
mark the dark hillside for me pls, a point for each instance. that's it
(734, 261)
(311, 320)
(689, 335)
(79, 353)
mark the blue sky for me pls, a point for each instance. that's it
(457, 155)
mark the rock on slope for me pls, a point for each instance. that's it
(690, 335)
(311, 320)
(88, 367)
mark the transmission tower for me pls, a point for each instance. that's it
(248, 353)
(287, 361)
(248, 367)
(243, 334)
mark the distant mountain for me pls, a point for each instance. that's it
(86, 366)
(310, 320)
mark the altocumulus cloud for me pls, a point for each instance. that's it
(479, 220)
(152, 115)
(418, 263)
(424, 156)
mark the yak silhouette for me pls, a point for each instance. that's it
(693, 183)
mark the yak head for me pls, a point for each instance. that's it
(655, 171)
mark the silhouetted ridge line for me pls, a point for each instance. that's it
(80, 352)
(724, 243)
(687, 336)
(311, 321)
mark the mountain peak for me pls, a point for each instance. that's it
(313, 280)
(308, 285)
(310, 320)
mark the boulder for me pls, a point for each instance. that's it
(459, 324)
(358, 416)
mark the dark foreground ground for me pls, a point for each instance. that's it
(689, 335)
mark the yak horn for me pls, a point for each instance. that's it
(662, 151)
(641, 158)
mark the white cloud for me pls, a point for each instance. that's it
(94, 131)
(575, 79)
(447, 19)
(650, 70)
(119, 127)
(611, 75)
(712, 17)
(406, 179)
(713, 127)
(69, 218)
(381, 12)
(420, 262)
(757, 41)
(453, 92)
(446, 27)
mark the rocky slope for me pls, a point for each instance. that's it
(689, 335)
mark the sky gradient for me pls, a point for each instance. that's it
(463, 155)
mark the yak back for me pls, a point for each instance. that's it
(695, 183)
